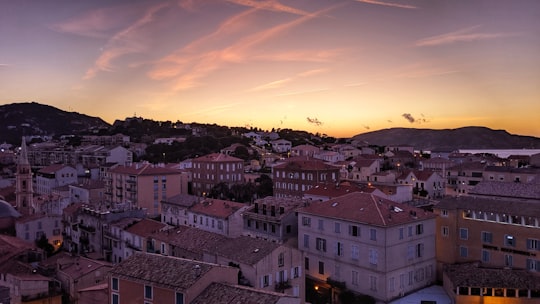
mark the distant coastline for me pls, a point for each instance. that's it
(502, 153)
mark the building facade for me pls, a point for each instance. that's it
(215, 168)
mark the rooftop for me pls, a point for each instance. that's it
(367, 209)
(507, 189)
(163, 271)
(217, 157)
(473, 275)
(489, 205)
(183, 200)
(218, 293)
(217, 208)
(252, 249)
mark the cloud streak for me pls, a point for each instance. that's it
(274, 6)
(390, 4)
(463, 35)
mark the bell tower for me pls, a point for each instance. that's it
(24, 188)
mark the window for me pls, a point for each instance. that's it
(411, 276)
(321, 267)
(306, 221)
(509, 240)
(373, 234)
(179, 298)
(410, 252)
(281, 259)
(463, 251)
(533, 244)
(444, 230)
(409, 230)
(321, 244)
(392, 284)
(373, 256)
(147, 292)
(339, 249)
(266, 281)
(486, 256)
(373, 283)
(533, 265)
(115, 299)
(463, 233)
(419, 250)
(508, 260)
(114, 284)
(306, 241)
(355, 252)
(444, 213)
(337, 228)
(355, 278)
(306, 263)
(401, 233)
(296, 272)
(354, 230)
(419, 228)
(321, 225)
(487, 237)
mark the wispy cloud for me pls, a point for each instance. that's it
(391, 4)
(271, 6)
(124, 42)
(280, 83)
(186, 67)
(464, 35)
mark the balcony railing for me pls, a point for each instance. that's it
(281, 286)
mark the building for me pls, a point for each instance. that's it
(272, 218)
(153, 278)
(425, 183)
(218, 216)
(24, 183)
(500, 233)
(53, 176)
(215, 168)
(141, 185)
(299, 174)
(90, 192)
(174, 210)
(362, 169)
(220, 293)
(304, 150)
(281, 145)
(33, 227)
(366, 244)
(463, 177)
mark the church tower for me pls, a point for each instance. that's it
(24, 187)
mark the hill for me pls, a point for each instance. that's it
(31, 118)
(460, 138)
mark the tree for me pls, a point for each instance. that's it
(265, 186)
(44, 244)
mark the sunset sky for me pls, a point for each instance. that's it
(338, 67)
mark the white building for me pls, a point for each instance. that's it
(371, 245)
(54, 176)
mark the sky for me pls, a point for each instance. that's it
(335, 67)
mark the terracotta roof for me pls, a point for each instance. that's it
(217, 157)
(145, 227)
(332, 190)
(303, 163)
(367, 209)
(77, 266)
(472, 275)
(184, 200)
(53, 168)
(518, 208)
(72, 208)
(363, 162)
(191, 239)
(163, 271)
(218, 293)
(216, 208)
(252, 250)
(509, 169)
(507, 189)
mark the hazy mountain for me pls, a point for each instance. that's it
(463, 138)
(31, 118)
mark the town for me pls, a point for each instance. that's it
(264, 220)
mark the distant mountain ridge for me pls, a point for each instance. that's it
(32, 118)
(449, 139)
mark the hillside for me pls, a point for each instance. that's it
(462, 138)
(31, 118)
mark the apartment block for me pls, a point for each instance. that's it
(215, 168)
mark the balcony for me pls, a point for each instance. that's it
(281, 286)
(335, 283)
(87, 228)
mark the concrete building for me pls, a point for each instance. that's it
(368, 245)
(32, 227)
(217, 216)
(499, 233)
(174, 210)
(281, 145)
(425, 183)
(272, 218)
(53, 176)
(152, 278)
(215, 168)
(299, 174)
(141, 185)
